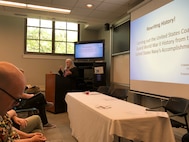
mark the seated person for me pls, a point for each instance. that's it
(12, 84)
(38, 101)
(29, 125)
(70, 71)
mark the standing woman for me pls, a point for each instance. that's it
(71, 72)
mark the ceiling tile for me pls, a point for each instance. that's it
(117, 1)
(108, 7)
(103, 10)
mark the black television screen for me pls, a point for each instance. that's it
(121, 38)
(89, 50)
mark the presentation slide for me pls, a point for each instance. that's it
(159, 51)
(89, 50)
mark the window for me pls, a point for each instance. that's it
(50, 37)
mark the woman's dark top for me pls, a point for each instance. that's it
(72, 77)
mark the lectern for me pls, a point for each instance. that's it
(56, 87)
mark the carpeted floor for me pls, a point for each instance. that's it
(62, 133)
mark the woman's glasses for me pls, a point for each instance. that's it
(16, 100)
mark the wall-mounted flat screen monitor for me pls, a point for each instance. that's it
(89, 50)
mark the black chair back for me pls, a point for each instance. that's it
(103, 89)
(177, 105)
(120, 93)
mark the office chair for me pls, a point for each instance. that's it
(176, 106)
(26, 112)
(120, 93)
(103, 89)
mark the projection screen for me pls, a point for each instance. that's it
(159, 51)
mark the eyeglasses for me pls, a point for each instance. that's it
(16, 100)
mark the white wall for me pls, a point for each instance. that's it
(106, 35)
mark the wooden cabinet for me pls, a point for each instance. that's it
(56, 87)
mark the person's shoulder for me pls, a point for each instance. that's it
(74, 68)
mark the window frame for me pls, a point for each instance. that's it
(53, 41)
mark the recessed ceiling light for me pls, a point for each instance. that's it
(89, 5)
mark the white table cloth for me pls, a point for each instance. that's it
(97, 118)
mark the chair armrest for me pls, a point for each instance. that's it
(178, 114)
(154, 108)
(26, 110)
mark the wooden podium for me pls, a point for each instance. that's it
(56, 87)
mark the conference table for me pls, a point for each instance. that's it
(95, 117)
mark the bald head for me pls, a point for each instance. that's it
(12, 80)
